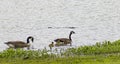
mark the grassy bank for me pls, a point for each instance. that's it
(99, 59)
(102, 52)
(105, 47)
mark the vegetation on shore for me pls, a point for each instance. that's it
(102, 52)
(105, 47)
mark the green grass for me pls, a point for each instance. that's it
(99, 59)
(106, 52)
(105, 47)
(20, 53)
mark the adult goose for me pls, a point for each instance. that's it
(20, 44)
(65, 41)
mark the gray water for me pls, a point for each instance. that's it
(45, 20)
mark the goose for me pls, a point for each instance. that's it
(65, 41)
(51, 45)
(20, 44)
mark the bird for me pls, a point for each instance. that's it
(65, 41)
(20, 44)
(51, 45)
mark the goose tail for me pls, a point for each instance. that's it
(5, 42)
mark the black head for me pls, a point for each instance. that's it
(52, 42)
(30, 37)
(72, 32)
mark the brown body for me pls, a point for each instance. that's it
(51, 45)
(60, 44)
(19, 44)
(65, 41)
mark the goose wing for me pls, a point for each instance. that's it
(61, 39)
(15, 42)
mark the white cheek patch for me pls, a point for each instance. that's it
(10, 45)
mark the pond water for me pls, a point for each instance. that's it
(45, 20)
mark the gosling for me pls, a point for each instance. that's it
(51, 45)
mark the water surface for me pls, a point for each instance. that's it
(46, 20)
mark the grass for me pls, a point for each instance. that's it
(102, 52)
(105, 47)
(20, 53)
(99, 59)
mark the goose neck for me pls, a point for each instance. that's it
(70, 36)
